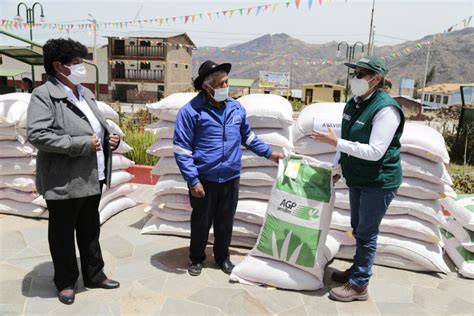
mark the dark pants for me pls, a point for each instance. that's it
(65, 217)
(368, 207)
(218, 208)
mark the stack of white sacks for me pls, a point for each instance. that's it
(18, 193)
(458, 233)
(270, 117)
(409, 235)
(115, 199)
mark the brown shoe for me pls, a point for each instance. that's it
(341, 276)
(348, 293)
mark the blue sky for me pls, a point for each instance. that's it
(395, 21)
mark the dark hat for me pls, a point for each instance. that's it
(207, 68)
(373, 63)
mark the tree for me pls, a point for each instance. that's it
(419, 82)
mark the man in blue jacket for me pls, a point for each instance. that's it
(209, 132)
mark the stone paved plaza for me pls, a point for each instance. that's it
(154, 281)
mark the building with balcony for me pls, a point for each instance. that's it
(146, 69)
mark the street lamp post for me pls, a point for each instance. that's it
(350, 51)
(30, 20)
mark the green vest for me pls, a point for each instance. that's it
(356, 126)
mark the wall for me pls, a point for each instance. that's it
(178, 79)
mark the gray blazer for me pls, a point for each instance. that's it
(66, 167)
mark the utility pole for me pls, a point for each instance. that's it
(420, 113)
(94, 26)
(369, 50)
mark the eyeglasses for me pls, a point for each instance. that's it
(359, 74)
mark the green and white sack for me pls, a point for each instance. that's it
(462, 234)
(462, 258)
(462, 209)
(298, 216)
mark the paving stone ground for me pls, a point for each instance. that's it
(152, 272)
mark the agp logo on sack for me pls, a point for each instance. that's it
(300, 211)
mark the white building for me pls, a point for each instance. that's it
(446, 94)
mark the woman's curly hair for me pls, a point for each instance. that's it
(62, 50)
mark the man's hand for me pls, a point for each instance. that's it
(96, 146)
(114, 140)
(198, 190)
(335, 178)
(275, 156)
(327, 138)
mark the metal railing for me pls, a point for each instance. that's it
(136, 51)
(138, 74)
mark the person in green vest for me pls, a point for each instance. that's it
(369, 155)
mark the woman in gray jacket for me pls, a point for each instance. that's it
(74, 161)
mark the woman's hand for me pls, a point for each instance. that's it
(114, 140)
(96, 146)
(327, 138)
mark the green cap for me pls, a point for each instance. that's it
(373, 63)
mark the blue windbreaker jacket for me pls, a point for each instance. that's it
(208, 149)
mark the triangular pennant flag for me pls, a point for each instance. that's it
(210, 15)
(186, 18)
(231, 13)
(174, 19)
(297, 3)
(287, 4)
(258, 10)
(265, 7)
(161, 22)
(249, 10)
(200, 15)
(310, 4)
(218, 16)
(224, 12)
(193, 18)
(274, 7)
(241, 10)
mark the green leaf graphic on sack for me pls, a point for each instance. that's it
(289, 242)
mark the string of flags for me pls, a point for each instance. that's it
(285, 58)
(463, 24)
(192, 18)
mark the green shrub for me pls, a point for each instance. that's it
(140, 141)
(463, 183)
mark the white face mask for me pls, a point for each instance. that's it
(78, 73)
(221, 94)
(359, 87)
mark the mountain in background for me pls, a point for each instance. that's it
(452, 55)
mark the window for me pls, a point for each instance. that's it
(426, 97)
(438, 99)
(175, 65)
(145, 65)
(186, 66)
(445, 99)
(145, 43)
(432, 98)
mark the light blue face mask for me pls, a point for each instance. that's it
(221, 94)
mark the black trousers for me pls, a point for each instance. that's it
(218, 208)
(82, 216)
